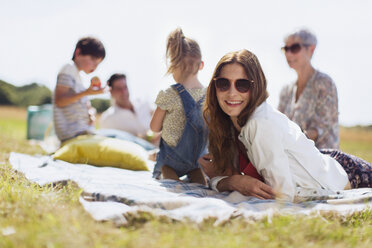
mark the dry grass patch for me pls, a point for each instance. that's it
(357, 141)
(359, 134)
(10, 112)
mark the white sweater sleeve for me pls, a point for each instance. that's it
(266, 151)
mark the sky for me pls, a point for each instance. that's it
(38, 37)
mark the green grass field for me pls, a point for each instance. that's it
(33, 216)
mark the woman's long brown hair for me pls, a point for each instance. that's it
(222, 144)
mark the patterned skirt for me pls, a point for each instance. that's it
(358, 170)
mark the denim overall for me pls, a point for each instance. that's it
(192, 144)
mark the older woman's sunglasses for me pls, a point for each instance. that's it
(295, 48)
(241, 85)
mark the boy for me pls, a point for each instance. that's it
(72, 112)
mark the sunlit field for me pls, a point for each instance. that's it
(33, 216)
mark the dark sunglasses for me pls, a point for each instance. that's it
(241, 85)
(295, 48)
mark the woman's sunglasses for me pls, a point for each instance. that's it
(295, 48)
(241, 85)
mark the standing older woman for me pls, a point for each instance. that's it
(311, 101)
(257, 150)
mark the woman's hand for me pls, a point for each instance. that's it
(207, 165)
(211, 170)
(246, 185)
(311, 133)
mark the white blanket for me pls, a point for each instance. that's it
(111, 194)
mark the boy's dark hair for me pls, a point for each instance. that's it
(115, 77)
(90, 46)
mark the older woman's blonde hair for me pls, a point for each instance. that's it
(222, 144)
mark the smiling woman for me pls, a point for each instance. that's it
(233, 99)
(257, 150)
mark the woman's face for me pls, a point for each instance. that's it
(231, 101)
(300, 59)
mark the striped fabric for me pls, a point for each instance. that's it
(72, 119)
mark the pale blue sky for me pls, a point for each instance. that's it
(38, 37)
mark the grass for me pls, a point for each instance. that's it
(357, 141)
(33, 216)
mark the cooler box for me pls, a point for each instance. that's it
(39, 120)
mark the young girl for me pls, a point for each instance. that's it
(178, 114)
(276, 157)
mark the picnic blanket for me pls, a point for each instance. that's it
(112, 194)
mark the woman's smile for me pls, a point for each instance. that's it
(234, 103)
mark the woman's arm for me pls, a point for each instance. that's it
(156, 124)
(246, 185)
(311, 133)
(267, 154)
(231, 180)
(210, 169)
(326, 114)
(283, 99)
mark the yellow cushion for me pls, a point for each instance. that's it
(103, 151)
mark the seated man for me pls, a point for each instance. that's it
(123, 115)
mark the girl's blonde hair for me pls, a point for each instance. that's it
(222, 144)
(183, 53)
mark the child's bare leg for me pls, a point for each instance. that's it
(168, 173)
(197, 176)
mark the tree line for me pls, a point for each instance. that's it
(36, 94)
